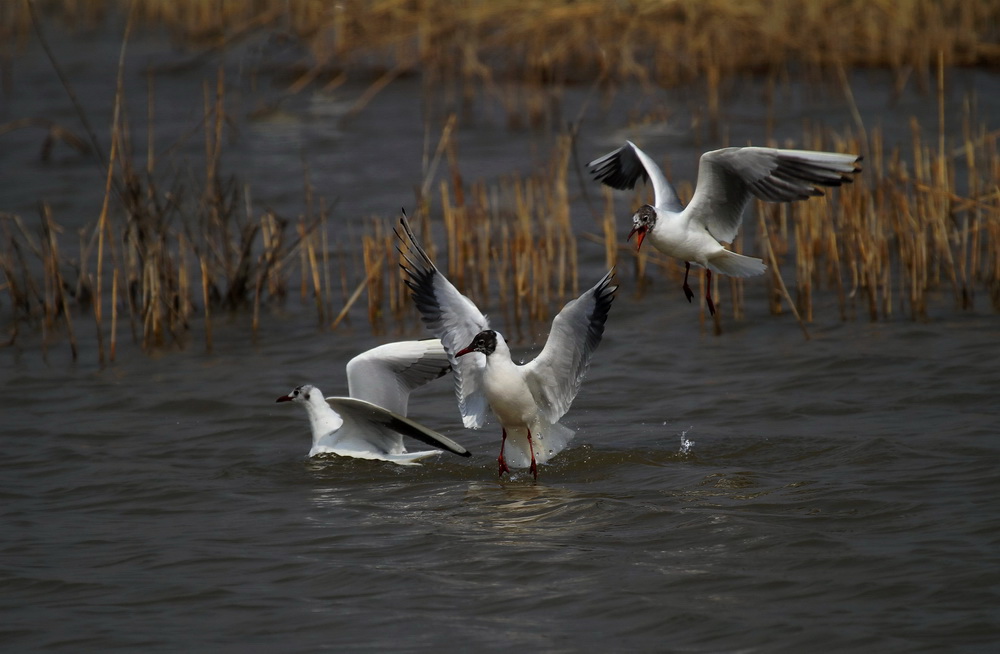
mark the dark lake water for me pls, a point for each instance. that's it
(750, 492)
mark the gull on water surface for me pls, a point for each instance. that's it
(529, 399)
(371, 423)
(727, 179)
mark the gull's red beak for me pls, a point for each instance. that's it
(284, 398)
(464, 351)
(641, 231)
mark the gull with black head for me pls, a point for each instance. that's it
(528, 399)
(727, 179)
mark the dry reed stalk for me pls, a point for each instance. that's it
(277, 256)
(55, 281)
(558, 212)
(207, 303)
(518, 259)
(773, 262)
(736, 290)
(835, 269)
(396, 292)
(486, 200)
(182, 303)
(152, 331)
(451, 216)
(255, 315)
(805, 263)
(325, 244)
(102, 229)
(500, 259)
(969, 232)
(374, 271)
(102, 222)
(19, 296)
(344, 312)
(776, 275)
(264, 259)
(315, 276)
(113, 344)
(610, 234)
(303, 260)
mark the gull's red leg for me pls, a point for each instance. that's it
(500, 459)
(708, 293)
(687, 289)
(531, 448)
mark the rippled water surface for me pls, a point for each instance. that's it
(753, 492)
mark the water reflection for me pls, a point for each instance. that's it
(536, 514)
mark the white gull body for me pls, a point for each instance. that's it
(529, 399)
(727, 179)
(371, 423)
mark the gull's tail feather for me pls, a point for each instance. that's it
(547, 440)
(736, 265)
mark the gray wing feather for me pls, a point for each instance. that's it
(727, 178)
(554, 376)
(450, 316)
(622, 168)
(384, 426)
(385, 375)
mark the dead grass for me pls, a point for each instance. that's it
(167, 256)
(919, 226)
(520, 53)
(161, 256)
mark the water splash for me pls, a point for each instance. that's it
(686, 443)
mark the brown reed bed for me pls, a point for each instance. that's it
(159, 257)
(168, 255)
(920, 225)
(521, 54)
(903, 236)
(658, 41)
(509, 245)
